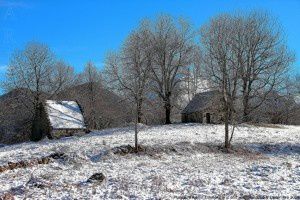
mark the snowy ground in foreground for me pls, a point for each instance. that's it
(191, 169)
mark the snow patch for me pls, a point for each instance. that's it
(179, 163)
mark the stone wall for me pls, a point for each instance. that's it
(56, 134)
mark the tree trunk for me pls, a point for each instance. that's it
(227, 143)
(226, 107)
(136, 137)
(168, 112)
(245, 100)
(246, 117)
(139, 111)
(92, 123)
(136, 128)
(37, 126)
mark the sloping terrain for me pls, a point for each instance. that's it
(176, 161)
(15, 106)
(15, 116)
(109, 109)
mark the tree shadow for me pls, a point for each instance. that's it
(275, 149)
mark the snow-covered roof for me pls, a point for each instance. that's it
(200, 85)
(201, 101)
(64, 115)
(297, 99)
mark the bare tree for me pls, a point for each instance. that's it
(297, 83)
(194, 80)
(289, 93)
(247, 57)
(172, 47)
(34, 70)
(92, 76)
(221, 68)
(62, 77)
(262, 56)
(128, 71)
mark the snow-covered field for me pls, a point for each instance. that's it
(181, 161)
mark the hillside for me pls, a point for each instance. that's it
(15, 115)
(177, 161)
(110, 109)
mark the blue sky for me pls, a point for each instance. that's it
(79, 31)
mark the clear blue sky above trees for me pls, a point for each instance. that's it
(79, 31)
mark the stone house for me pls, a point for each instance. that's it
(205, 107)
(64, 118)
